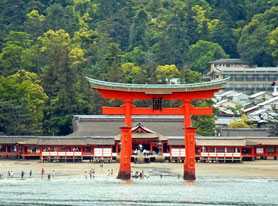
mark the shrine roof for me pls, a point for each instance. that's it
(157, 88)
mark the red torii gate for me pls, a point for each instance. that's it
(157, 92)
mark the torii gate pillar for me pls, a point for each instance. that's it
(126, 140)
(125, 168)
(189, 162)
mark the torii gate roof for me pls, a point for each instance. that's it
(157, 88)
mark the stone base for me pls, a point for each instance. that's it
(159, 158)
(189, 176)
(123, 175)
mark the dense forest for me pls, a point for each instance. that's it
(48, 47)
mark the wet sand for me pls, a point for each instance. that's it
(252, 169)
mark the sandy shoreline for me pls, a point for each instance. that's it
(253, 169)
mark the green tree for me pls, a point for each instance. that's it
(225, 36)
(136, 56)
(60, 80)
(12, 16)
(245, 122)
(59, 17)
(11, 55)
(112, 61)
(273, 42)
(117, 28)
(139, 31)
(253, 7)
(162, 50)
(205, 124)
(203, 52)
(61, 60)
(165, 73)
(130, 72)
(189, 76)
(253, 45)
(22, 103)
(34, 24)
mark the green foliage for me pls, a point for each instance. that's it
(245, 122)
(273, 42)
(22, 102)
(189, 76)
(62, 41)
(131, 73)
(203, 52)
(253, 44)
(205, 124)
(138, 31)
(165, 73)
(11, 56)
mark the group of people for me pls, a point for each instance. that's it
(110, 172)
(49, 176)
(10, 174)
(138, 174)
(91, 174)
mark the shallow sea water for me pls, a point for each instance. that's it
(152, 191)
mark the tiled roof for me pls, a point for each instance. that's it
(228, 61)
(157, 88)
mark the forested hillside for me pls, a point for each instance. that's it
(48, 47)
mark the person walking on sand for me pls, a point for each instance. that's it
(108, 172)
(93, 173)
(86, 175)
(42, 173)
(53, 173)
(30, 173)
(22, 174)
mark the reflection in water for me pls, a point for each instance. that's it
(190, 182)
(126, 182)
(152, 191)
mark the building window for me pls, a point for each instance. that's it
(272, 77)
(212, 149)
(260, 78)
(270, 150)
(249, 77)
(220, 149)
(229, 150)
